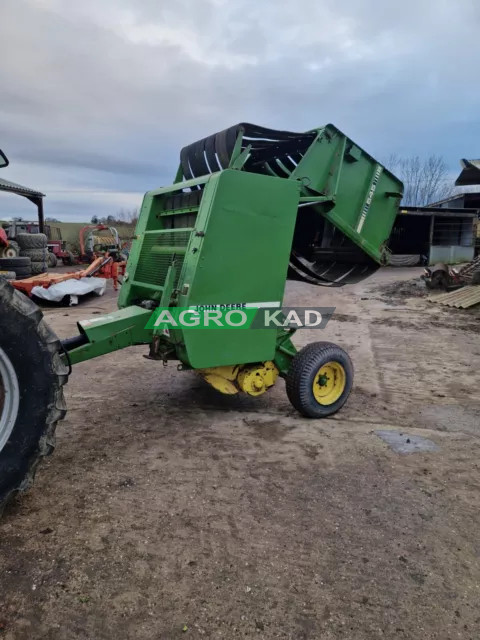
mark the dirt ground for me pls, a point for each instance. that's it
(171, 511)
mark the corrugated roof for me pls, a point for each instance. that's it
(461, 298)
(12, 187)
(470, 173)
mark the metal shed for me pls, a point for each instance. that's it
(34, 196)
(435, 233)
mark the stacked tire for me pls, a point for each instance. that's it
(34, 247)
(8, 275)
(20, 267)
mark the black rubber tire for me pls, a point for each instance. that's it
(35, 255)
(11, 251)
(14, 263)
(51, 260)
(15, 246)
(7, 252)
(35, 354)
(39, 267)
(23, 272)
(301, 376)
(69, 260)
(32, 240)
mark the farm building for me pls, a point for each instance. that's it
(445, 231)
(430, 235)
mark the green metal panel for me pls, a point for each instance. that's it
(241, 259)
(236, 253)
(111, 332)
(160, 234)
(364, 196)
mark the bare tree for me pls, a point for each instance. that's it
(128, 217)
(425, 180)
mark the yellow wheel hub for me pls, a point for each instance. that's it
(329, 383)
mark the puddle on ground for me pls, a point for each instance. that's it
(404, 443)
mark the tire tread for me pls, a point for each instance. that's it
(57, 408)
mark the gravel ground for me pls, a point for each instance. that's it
(171, 511)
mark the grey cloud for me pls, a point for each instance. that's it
(105, 94)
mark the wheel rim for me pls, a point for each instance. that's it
(9, 398)
(329, 383)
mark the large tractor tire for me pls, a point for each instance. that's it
(69, 259)
(32, 375)
(319, 380)
(51, 260)
(32, 240)
(35, 255)
(38, 268)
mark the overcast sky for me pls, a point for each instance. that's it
(97, 97)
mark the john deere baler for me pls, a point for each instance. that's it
(247, 205)
(212, 251)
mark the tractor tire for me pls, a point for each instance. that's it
(8, 275)
(7, 252)
(23, 272)
(69, 259)
(51, 260)
(21, 266)
(319, 380)
(38, 268)
(32, 374)
(32, 240)
(35, 255)
(12, 251)
(14, 263)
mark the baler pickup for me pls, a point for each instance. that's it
(347, 205)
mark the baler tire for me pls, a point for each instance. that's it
(34, 372)
(35, 255)
(306, 365)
